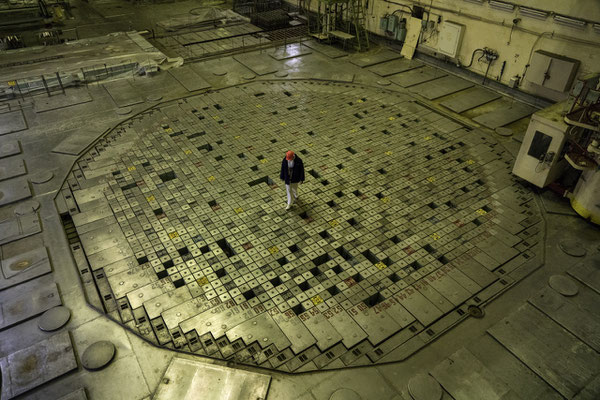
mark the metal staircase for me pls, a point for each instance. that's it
(339, 19)
(357, 16)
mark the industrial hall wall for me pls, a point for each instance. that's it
(515, 29)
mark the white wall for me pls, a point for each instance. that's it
(486, 27)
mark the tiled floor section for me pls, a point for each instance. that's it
(546, 349)
(407, 220)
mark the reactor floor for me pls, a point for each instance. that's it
(157, 201)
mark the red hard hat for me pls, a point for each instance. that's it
(289, 155)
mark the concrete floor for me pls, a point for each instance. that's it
(413, 204)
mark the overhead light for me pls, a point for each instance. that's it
(533, 13)
(597, 28)
(572, 22)
(502, 6)
(475, 1)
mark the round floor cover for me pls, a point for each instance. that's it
(124, 110)
(572, 248)
(345, 394)
(42, 177)
(424, 387)
(98, 355)
(55, 318)
(504, 131)
(563, 285)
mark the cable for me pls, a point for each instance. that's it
(512, 28)
(428, 11)
(401, 11)
(486, 72)
(473, 56)
(400, 4)
(540, 37)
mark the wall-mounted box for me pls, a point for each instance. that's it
(401, 31)
(450, 38)
(551, 71)
(383, 21)
(388, 23)
(392, 22)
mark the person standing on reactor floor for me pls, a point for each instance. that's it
(292, 173)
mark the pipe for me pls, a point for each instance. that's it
(486, 72)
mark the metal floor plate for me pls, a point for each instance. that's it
(458, 372)
(74, 144)
(260, 63)
(372, 58)
(416, 76)
(504, 115)
(395, 67)
(321, 69)
(93, 214)
(584, 325)
(12, 121)
(561, 359)
(329, 51)
(554, 204)
(123, 93)
(189, 79)
(102, 238)
(225, 70)
(441, 87)
(71, 97)
(79, 394)
(23, 267)
(33, 366)
(27, 300)
(13, 190)
(510, 370)
(289, 51)
(187, 380)
(9, 148)
(91, 196)
(388, 240)
(470, 99)
(19, 227)
(588, 273)
(11, 168)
